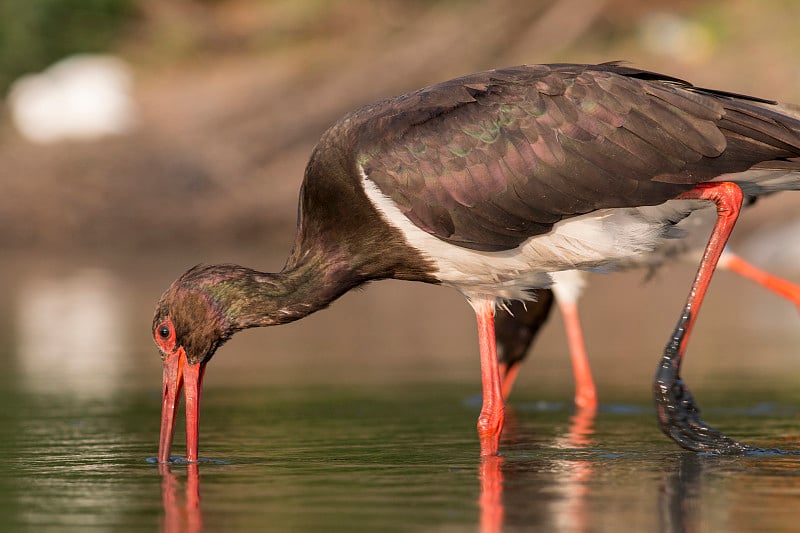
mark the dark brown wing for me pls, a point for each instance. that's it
(488, 160)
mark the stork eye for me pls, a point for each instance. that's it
(164, 335)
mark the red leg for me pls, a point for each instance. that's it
(678, 413)
(585, 391)
(490, 421)
(508, 375)
(779, 286)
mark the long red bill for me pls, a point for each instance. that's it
(193, 382)
(179, 374)
(172, 383)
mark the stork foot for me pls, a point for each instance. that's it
(679, 418)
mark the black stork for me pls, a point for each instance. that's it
(517, 328)
(488, 183)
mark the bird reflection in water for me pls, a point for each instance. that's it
(184, 513)
(575, 486)
(188, 517)
(570, 506)
(678, 495)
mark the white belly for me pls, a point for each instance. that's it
(600, 240)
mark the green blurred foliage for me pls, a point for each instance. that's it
(36, 33)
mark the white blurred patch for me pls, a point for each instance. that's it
(71, 333)
(83, 97)
(677, 37)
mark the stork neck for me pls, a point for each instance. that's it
(255, 299)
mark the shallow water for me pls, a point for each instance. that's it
(363, 417)
(390, 457)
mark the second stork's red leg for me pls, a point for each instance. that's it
(779, 286)
(567, 289)
(678, 414)
(585, 390)
(490, 421)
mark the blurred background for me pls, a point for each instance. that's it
(140, 137)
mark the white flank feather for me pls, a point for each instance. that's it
(597, 240)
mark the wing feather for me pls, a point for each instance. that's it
(488, 160)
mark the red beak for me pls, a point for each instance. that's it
(178, 373)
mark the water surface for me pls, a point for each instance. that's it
(363, 416)
(390, 457)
